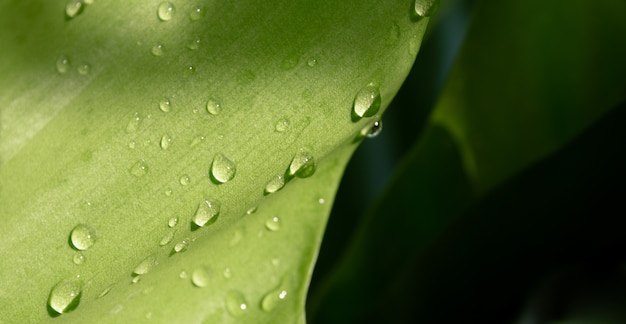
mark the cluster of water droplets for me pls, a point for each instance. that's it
(64, 65)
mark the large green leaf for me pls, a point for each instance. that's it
(108, 119)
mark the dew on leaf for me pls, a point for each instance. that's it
(194, 44)
(312, 62)
(63, 64)
(181, 246)
(146, 265)
(166, 139)
(78, 258)
(168, 192)
(165, 105)
(158, 49)
(366, 102)
(273, 224)
(73, 8)
(197, 13)
(105, 291)
(184, 180)
(251, 210)
(426, 8)
(200, 277)
(213, 106)
(165, 11)
(132, 144)
(275, 184)
(139, 169)
(133, 124)
(84, 69)
(303, 164)
(172, 222)
(82, 237)
(65, 296)
(167, 238)
(135, 279)
(281, 125)
(207, 211)
(183, 275)
(236, 304)
(223, 169)
(273, 299)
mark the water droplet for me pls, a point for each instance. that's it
(200, 277)
(251, 211)
(366, 102)
(65, 296)
(168, 192)
(236, 303)
(172, 222)
(206, 212)
(146, 265)
(290, 62)
(197, 140)
(139, 169)
(132, 144)
(82, 237)
(213, 106)
(73, 8)
(167, 238)
(426, 8)
(133, 124)
(181, 246)
(165, 141)
(321, 201)
(166, 11)
(194, 45)
(303, 164)
(183, 275)
(165, 105)
(273, 299)
(222, 169)
(191, 69)
(184, 180)
(228, 273)
(84, 69)
(273, 224)
(78, 258)
(135, 280)
(105, 291)
(312, 62)
(372, 130)
(197, 13)
(158, 49)
(275, 184)
(63, 64)
(282, 125)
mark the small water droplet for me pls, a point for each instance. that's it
(290, 62)
(78, 258)
(223, 169)
(65, 296)
(133, 124)
(146, 265)
(166, 139)
(132, 144)
(194, 44)
(167, 238)
(84, 69)
(273, 224)
(236, 303)
(366, 102)
(426, 8)
(200, 277)
(184, 180)
(63, 64)
(206, 212)
(275, 184)
(312, 62)
(191, 69)
(165, 11)
(321, 201)
(197, 140)
(158, 49)
(303, 164)
(197, 13)
(183, 275)
(82, 237)
(213, 106)
(273, 299)
(181, 246)
(73, 8)
(372, 130)
(135, 280)
(172, 222)
(105, 291)
(282, 125)
(251, 211)
(168, 192)
(139, 169)
(228, 273)
(165, 105)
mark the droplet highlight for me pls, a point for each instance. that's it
(366, 102)
(207, 212)
(82, 237)
(236, 304)
(223, 169)
(65, 296)
(165, 11)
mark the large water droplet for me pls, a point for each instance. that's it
(282, 125)
(65, 296)
(78, 258)
(222, 169)
(166, 139)
(145, 266)
(166, 11)
(200, 277)
(73, 8)
(273, 299)
(206, 212)
(158, 49)
(197, 13)
(63, 64)
(275, 184)
(426, 8)
(139, 169)
(366, 102)
(236, 303)
(273, 224)
(303, 164)
(213, 106)
(82, 237)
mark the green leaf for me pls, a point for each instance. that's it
(159, 134)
